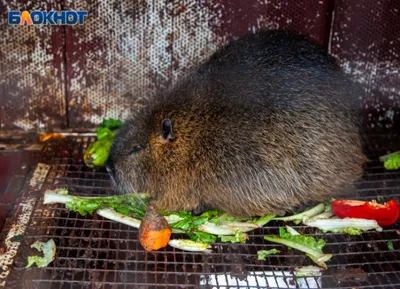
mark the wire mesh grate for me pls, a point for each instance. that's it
(93, 252)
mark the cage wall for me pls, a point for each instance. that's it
(59, 77)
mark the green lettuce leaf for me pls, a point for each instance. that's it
(239, 237)
(124, 204)
(111, 123)
(391, 161)
(306, 244)
(102, 132)
(203, 237)
(49, 252)
(262, 254)
(349, 231)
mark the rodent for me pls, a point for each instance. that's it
(267, 123)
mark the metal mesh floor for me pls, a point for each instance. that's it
(93, 252)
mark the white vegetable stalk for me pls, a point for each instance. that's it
(292, 231)
(189, 245)
(54, 197)
(306, 271)
(324, 215)
(117, 217)
(51, 197)
(304, 215)
(338, 224)
(227, 229)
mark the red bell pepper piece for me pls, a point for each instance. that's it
(385, 214)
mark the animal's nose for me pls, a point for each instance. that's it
(110, 167)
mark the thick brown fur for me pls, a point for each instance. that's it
(267, 123)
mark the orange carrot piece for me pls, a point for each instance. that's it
(154, 230)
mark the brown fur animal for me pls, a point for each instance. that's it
(267, 123)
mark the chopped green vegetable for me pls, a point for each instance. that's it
(391, 161)
(390, 245)
(292, 231)
(125, 204)
(347, 225)
(307, 271)
(349, 231)
(111, 123)
(262, 221)
(262, 254)
(188, 222)
(189, 245)
(62, 191)
(298, 218)
(306, 244)
(226, 218)
(102, 132)
(49, 252)
(203, 237)
(227, 228)
(96, 154)
(173, 218)
(240, 237)
(324, 215)
(119, 207)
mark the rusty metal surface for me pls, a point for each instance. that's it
(18, 226)
(32, 90)
(366, 40)
(56, 77)
(130, 49)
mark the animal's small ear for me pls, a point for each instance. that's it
(166, 130)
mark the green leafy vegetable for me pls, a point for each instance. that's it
(306, 244)
(240, 237)
(349, 231)
(189, 224)
(111, 123)
(203, 237)
(262, 221)
(391, 161)
(352, 226)
(124, 204)
(307, 271)
(49, 252)
(96, 154)
(298, 218)
(120, 208)
(390, 245)
(189, 245)
(227, 218)
(262, 254)
(102, 132)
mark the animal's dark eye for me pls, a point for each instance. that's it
(136, 149)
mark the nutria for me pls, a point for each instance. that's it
(267, 123)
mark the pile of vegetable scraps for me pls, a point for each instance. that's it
(156, 227)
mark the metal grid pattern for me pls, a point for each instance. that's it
(370, 54)
(32, 82)
(57, 77)
(93, 252)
